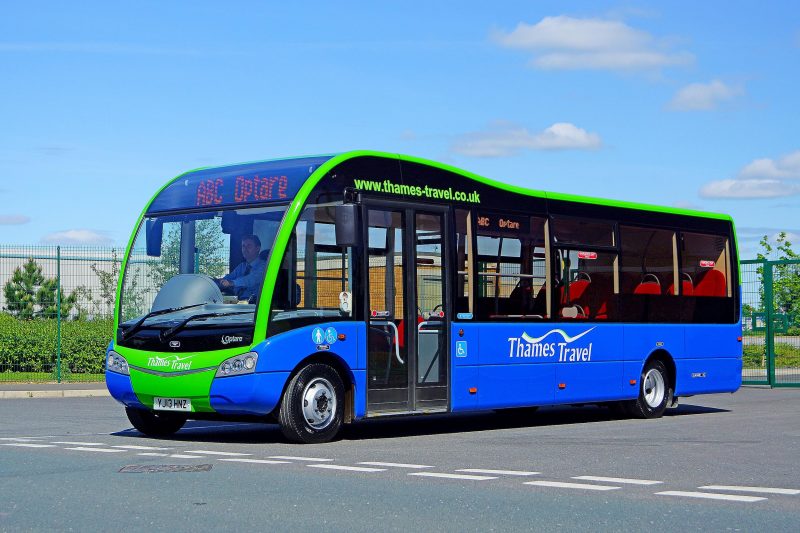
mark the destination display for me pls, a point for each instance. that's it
(270, 181)
(503, 223)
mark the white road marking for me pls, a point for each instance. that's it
(101, 450)
(499, 472)
(134, 447)
(21, 439)
(711, 496)
(153, 454)
(229, 454)
(765, 490)
(452, 476)
(257, 461)
(349, 468)
(183, 456)
(619, 480)
(293, 458)
(563, 485)
(76, 443)
(393, 465)
(28, 445)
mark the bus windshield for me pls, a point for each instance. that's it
(197, 270)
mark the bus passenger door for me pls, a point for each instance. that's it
(407, 349)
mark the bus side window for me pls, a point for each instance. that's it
(705, 260)
(588, 268)
(648, 270)
(511, 273)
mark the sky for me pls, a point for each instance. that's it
(684, 103)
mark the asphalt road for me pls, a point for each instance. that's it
(562, 468)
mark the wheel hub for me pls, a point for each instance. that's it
(654, 388)
(319, 403)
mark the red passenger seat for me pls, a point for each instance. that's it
(712, 283)
(650, 284)
(687, 289)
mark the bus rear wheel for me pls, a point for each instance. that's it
(313, 405)
(655, 392)
(155, 424)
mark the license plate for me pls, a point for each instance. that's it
(172, 404)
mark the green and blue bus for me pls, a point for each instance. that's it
(374, 284)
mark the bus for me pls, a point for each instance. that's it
(318, 291)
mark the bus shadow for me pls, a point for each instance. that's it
(411, 426)
(497, 420)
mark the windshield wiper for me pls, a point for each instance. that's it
(136, 327)
(167, 333)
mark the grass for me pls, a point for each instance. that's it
(49, 377)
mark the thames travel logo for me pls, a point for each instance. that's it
(527, 346)
(173, 362)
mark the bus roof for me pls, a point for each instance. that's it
(281, 180)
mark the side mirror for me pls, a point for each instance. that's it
(346, 225)
(154, 230)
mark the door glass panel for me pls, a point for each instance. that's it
(387, 362)
(431, 331)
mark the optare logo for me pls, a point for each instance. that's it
(174, 344)
(227, 339)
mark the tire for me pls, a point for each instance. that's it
(312, 406)
(655, 392)
(155, 424)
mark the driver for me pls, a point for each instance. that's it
(246, 278)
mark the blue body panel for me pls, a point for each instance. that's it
(121, 390)
(251, 394)
(278, 356)
(498, 365)
(707, 375)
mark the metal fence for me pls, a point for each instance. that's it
(56, 311)
(771, 322)
(57, 308)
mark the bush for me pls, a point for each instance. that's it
(786, 356)
(30, 345)
(753, 356)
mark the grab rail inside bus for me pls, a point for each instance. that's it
(390, 324)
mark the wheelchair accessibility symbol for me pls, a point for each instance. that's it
(461, 348)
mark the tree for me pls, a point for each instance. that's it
(209, 241)
(786, 277)
(29, 294)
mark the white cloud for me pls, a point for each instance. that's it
(13, 220)
(703, 96)
(749, 188)
(504, 139)
(787, 167)
(77, 236)
(570, 43)
(761, 178)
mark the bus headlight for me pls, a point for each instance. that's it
(238, 365)
(116, 363)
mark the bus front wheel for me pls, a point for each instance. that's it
(155, 424)
(655, 392)
(312, 407)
